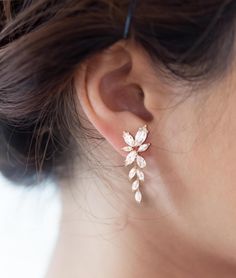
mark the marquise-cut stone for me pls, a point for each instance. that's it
(138, 196)
(129, 140)
(127, 148)
(140, 175)
(141, 161)
(143, 147)
(132, 173)
(141, 135)
(130, 158)
(135, 185)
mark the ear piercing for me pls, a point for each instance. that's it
(135, 147)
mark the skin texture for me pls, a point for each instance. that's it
(185, 226)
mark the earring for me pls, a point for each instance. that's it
(135, 146)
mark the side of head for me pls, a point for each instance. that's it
(69, 81)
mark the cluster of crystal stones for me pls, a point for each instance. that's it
(135, 146)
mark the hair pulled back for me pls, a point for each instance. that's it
(43, 42)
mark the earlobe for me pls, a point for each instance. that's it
(109, 96)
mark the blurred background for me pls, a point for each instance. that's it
(29, 226)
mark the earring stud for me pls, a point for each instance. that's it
(136, 146)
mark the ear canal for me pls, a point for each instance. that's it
(127, 99)
(119, 97)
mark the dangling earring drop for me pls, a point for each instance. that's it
(135, 146)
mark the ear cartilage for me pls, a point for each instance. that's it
(135, 147)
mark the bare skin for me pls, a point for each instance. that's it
(185, 225)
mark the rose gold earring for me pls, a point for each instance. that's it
(135, 146)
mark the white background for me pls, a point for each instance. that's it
(29, 225)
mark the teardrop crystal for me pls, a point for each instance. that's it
(138, 196)
(141, 135)
(130, 158)
(132, 173)
(135, 185)
(128, 138)
(141, 161)
(140, 175)
(127, 149)
(143, 147)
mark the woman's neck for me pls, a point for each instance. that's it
(104, 235)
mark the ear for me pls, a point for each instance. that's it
(111, 92)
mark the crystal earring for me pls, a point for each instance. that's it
(135, 146)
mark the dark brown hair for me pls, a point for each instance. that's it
(42, 43)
